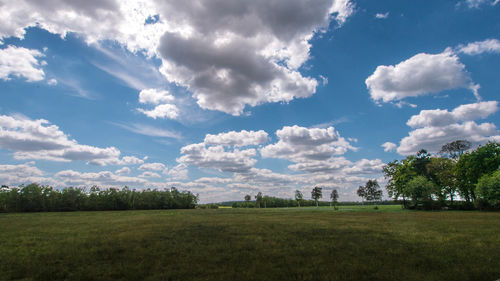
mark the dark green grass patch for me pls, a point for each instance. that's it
(354, 243)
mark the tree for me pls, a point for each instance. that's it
(473, 165)
(440, 172)
(420, 190)
(298, 196)
(258, 199)
(334, 196)
(247, 199)
(316, 194)
(456, 148)
(371, 191)
(488, 189)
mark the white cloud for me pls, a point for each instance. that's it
(382, 15)
(155, 96)
(242, 138)
(216, 157)
(299, 144)
(149, 174)
(440, 117)
(21, 62)
(389, 146)
(37, 139)
(438, 127)
(169, 111)
(419, 75)
(123, 171)
(230, 55)
(103, 178)
(479, 47)
(152, 167)
(179, 172)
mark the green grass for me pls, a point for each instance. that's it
(354, 243)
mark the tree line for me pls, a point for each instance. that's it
(262, 201)
(38, 198)
(425, 181)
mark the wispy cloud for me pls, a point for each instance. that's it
(147, 130)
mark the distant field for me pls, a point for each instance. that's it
(354, 243)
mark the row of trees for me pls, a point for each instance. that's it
(430, 182)
(36, 198)
(275, 202)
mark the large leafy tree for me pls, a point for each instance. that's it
(473, 165)
(316, 194)
(488, 189)
(440, 172)
(420, 190)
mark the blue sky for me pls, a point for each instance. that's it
(227, 98)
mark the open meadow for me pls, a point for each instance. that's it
(354, 243)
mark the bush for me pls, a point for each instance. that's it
(488, 191)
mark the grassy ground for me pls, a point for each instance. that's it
(354, 243)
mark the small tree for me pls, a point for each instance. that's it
(316, 194)
(371, 191)
(456, 148)
(298, 196)
(334, 196)
(258, 199)
(247, 199)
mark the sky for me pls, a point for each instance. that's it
(227, 98)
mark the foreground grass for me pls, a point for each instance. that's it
(354, 243)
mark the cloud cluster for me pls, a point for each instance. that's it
(419, 75)
(242, 138)
(38, 139)
(227, 54)
(164, 108)
(300, 144)
(21, 62)
(436, 127)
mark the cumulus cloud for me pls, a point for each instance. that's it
(179, 172)
(389, 146)
(155, 96)
(152, 167)
(38, 139)
(217, 157)
(169, 111)
(299, 144)
(437, 127)
(242, 138)
(419, 75)
(244, 53)
(479, 47)
(123, 171)
(440, 117)
(149, 174)
(21, 62)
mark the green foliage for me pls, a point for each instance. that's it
(473, 165)
(456, 148)
(36, 198)
(316, 194)
(371, 191)
(298, 196)
(420, 190)
(488, 189)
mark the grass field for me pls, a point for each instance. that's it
(354, 243)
